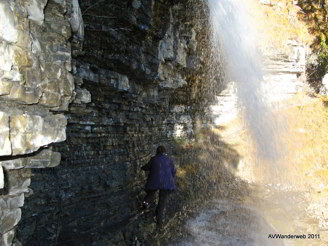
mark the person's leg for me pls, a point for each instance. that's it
(163, 197)
(149, 198)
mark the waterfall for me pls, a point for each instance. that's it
(235, 41)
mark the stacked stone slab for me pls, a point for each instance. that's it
(36, 85)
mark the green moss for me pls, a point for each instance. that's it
(323, 54)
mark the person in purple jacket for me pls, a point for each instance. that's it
(161, 177)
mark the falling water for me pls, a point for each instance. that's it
(267, 209)
(235, 42)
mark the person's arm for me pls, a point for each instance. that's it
(147, 166)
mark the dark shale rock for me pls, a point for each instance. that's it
(138, 84)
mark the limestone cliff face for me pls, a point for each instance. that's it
(130, 76)
(36, 85)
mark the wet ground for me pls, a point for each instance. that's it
(226, 223)
(267, 213)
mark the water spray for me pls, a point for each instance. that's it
(236, 41)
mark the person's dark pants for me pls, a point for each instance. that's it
(163, 197)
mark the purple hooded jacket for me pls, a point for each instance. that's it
(162, 173)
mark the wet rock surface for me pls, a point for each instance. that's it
(135, 89)
(267, 212)
(227, 222)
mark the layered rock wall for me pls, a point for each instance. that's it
(36, 85)
(139, 82)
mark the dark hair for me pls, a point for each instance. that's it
(160, 150)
